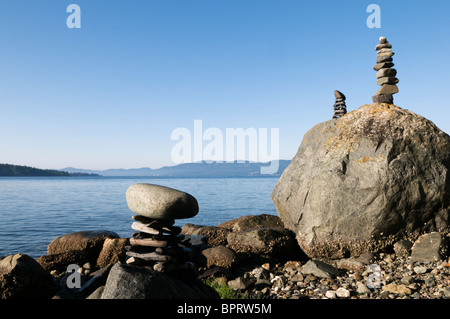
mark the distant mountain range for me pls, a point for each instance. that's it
(200, 169)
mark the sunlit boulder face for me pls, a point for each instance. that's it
(360, 182)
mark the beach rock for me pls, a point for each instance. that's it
(91, 241)
(319, 269)
(130, 282)
(220, 256)
(61, 261)
(397, 289)
(362, 182)
(428, 247)
(160, 202)
(214, 236)
(278, 243)
(403, 248)
(253, 221)
(22, 277)
(113, 251)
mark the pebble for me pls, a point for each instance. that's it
(400, 278)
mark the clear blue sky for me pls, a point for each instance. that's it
(109, 95)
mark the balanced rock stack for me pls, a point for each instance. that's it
(157, 243)
(340, 108)
(385, 74)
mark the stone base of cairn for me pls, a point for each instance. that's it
(157, 244)
(385, 74)
(339, 106)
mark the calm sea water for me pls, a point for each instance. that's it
(36, 210)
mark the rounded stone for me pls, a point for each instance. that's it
(160, 202)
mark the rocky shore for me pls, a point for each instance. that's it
(253, 256)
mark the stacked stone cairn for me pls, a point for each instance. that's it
(340, 108)
(157, 243)
(385, 74)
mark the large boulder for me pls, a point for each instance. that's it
(131, 282)
(361, 182)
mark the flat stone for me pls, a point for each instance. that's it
(148, 242)
(399, 289)
(427, 248)
(383, 65)
(145, 229)
(387, 89)
(386, 72)
(388, 52)
(383, 46)
(150, 256)
(384, 58)
(387, 80)
(319, 269)
(152, 222)
(160, 202)
(383, 40)
(386, 98)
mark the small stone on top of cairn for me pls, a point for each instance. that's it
(157, 243)
(385, 74)
(340, 108)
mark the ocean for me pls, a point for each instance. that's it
(36, 210)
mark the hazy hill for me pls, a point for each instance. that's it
(200, 169)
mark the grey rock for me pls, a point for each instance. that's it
(319, 269)
(383, 65)
(407, 280)
(160, 202)
(240, 283)
(361, 288)
(130, 282)
(428, 248)
(387, 89)
(277, 243)
(360, 183)
(420, 269)
(403, 247)
(384, 58)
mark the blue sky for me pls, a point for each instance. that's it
(109, 95)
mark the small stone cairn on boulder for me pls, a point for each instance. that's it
(339, 106)
(157, 244)
(385, 74)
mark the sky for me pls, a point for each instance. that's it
(111, 93)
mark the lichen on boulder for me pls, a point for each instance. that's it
(362, 182)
